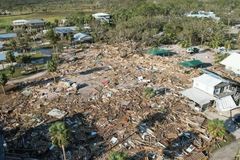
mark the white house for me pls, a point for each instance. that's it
(203, 14)
(32, 23)
(210, 89)
(103, 17)
(19, 22)
(232, 63)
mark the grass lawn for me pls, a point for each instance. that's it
(18, 71)
(7, 20)
(49, 11)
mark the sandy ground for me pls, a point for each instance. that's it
(206, 56)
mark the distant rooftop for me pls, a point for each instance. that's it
(100, 14)
(65, 30)
(35, 21)
(203, 14)
(25, 22)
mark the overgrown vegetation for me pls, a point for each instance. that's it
(149, 92)
(148, 21)
(118, 156)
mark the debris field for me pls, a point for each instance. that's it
(101, 95)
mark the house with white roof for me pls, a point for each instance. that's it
(209, 90)
(30, 24)
(232, 63)
(203, 14)
(103, 17)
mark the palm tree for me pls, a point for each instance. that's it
(3, 81)
(216, 128)
(118, 156)
(53, 37)
(59, 135)
(52, 67)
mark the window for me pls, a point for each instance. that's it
(217, 91)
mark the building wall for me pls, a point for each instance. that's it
(235, 70)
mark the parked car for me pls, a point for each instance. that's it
(192, 50)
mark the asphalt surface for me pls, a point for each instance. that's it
(227, 153)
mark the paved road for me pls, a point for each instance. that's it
(226, 153)
(35, 76)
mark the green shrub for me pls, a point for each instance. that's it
(149, 92)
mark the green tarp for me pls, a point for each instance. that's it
(160, 52)
(192, 64)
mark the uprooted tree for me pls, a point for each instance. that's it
(3, 81)
(53, 38)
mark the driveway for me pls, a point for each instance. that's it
(226, 153)
(32, 77)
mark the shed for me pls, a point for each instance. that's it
(192, 64)
(225, 104)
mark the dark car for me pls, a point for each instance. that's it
(178, 145)
(193, 50)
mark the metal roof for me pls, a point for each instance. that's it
(31, 21)
(100, 14)
(225, 104)
(8, 35)
(80, 35)
(198, 96)
(62, 30)
(208, 79)
(232, 61)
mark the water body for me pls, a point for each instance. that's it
(3, 56)
(44, 51)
